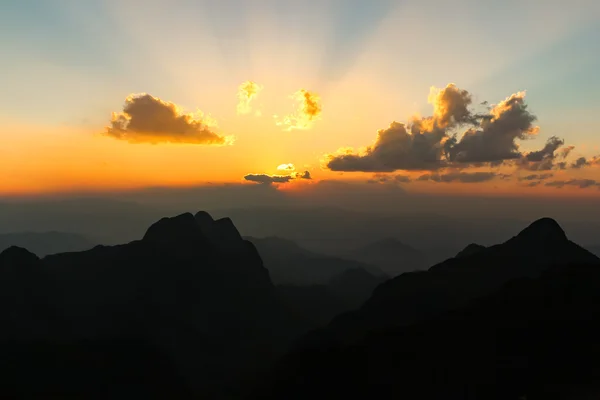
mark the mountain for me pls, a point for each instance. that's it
(191, 289)
(594, 249)
(417, 295)
(319, 303)
(391, 255)
(44, 243)
(533, 338)
(385, 333)
(470, 250)
(289, 263)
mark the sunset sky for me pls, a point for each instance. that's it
(469, 96)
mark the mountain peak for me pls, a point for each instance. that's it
(173, 230)
(543, 230)
(204, 219)
(470, 249)
(17, 256)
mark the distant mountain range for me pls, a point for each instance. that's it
(45, 243)
(391, 255)
(288, 263)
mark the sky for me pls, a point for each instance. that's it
(427, 96)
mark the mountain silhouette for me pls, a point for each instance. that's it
(413, 296)
(44, 243)
(290, 264)
(534, 338)
(511, 320)
(470, 250)
(391, 255)
(192, 289)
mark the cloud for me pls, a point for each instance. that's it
(303, 175)
(421, 145)
(431, 143)
(308, 110)
(247, 92)
(394, 149)
(565, 151)
(584, 162)
(286, 167)
(402, 178)
(581, 183)
(536, 177)
(148, 119)
(463, 177)
(385, 178)
(543, 160)
(270, 179)
(533, 184)
(495, 138)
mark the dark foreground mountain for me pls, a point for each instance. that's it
(192, 292)
(45, 243)
(391, 255)
(502, 322)
(594, 249)
(291, 264)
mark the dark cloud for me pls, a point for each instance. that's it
(544, 159)
(270, 179)
(394, 149)
(533, 184)
(302, 175)
(463, 177)
(584, 162)
(421, 145)
(580, 183)
(428, 143)
(547, 151)
(536, 177)
(148, 119)
(495, 139)
(385, 178)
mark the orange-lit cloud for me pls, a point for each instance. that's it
(270, 179)
(286, 167)
(247, 92)
(308, 110)
(432, 143)
(148, 119)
